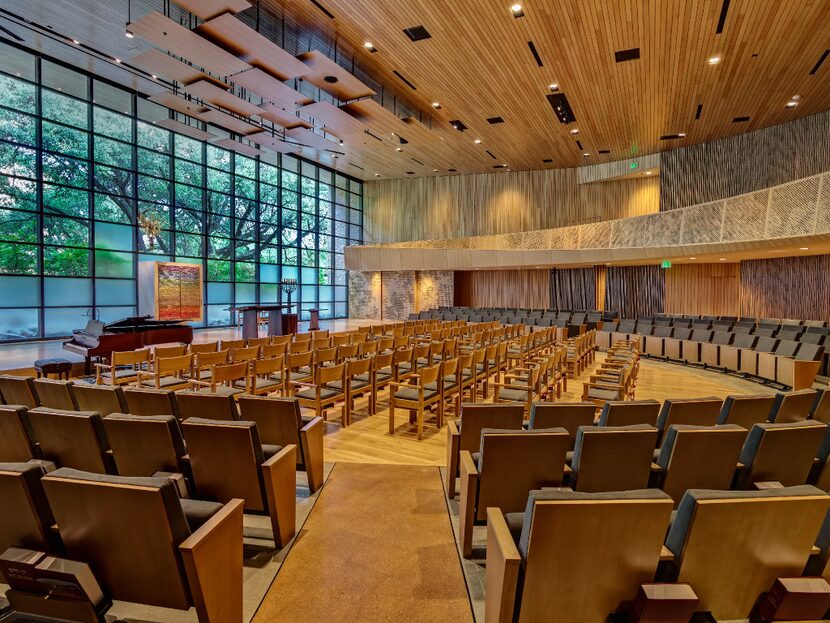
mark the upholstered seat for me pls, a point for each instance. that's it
(325, 392)
(412, 394)
(220, 390)
(198, 512)
(270, 449)
(357, 383)
(165, 382)
(603, 394)
(513, 395)
(125, 373)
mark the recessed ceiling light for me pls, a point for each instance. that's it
(575, 131)
(714, 60)
(586, 154)
(516, 8)
(436, 105)
(795, 98)
(398, 149)
(377, 174)
(477, 141)
(76, 42)
(155, 77)
(341, 142)
(681, 134)
(553, 86)
(608, 263)
(368, 45)
(723, 259)
(435, 170)
(692, 258)
(803, 249)
(129, 34)
(117, 60)
(504, 165)
(793, 101)
(648, 172)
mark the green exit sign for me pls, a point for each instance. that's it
(634, 164)
(665, 264)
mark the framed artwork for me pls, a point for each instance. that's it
(178, 291)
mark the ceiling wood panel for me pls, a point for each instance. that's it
(269, 88)
(207, 9)
(157, 63)
(229, 122)
(183, 128)
(209, 92)
(179, 104)
(229, 143)
(282, 118)
(320, 72)
(333, 119)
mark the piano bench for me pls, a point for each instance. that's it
(58, 365)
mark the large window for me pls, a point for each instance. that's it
(83, 169)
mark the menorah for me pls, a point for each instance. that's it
(289, 286)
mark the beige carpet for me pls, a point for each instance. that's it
(377, 547)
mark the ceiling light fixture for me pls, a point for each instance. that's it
(692, 258)
(76, 42)
(723, 259)
(714, 60)
(398, 149)
(368, 45)
(377, 174)
(553, 86)
(342, 142)
(517, 10)
(648, 172)
(477, 141)
(804, 249)
(436, 105)
(435, 170)
(681, 134)
(129, 34)
(575, 131)
(155, 77)
(586, 154)
(117, 60)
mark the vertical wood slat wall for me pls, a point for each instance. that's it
(574, 288)
(635, 290)
(705, 289)
(503, 288)
(787, 287)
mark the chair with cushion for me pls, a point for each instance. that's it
(749, 358)
(792, 406)
(327, 389)
(821, 407)
(18, 390)
(629, 412)
(731, 546)
(767, 361)
(800, 372)
(123, 367)
(729, 355)
(209, 406)
(783, 453)
(228, 461)
(203, 347)
(167, 373)
(267, 376)
(26, 520)
(224, 380)
(145, 401)
(145, 444)
(73, 439)
(358, 378)
(746, 410)
(421, 393)
(692, 411)
(699, 457)
(603, 387)
(511, 463)
(613, 458)
(232, 344)
(100, 399)
(299, 367)
(56, 394)
(710, 351)
(578, 555)
(145, 545)
(520, 386)
(16, 437)
(465, 434)
(691, 347)
(203, 363)
(653, 344)
(280, 423)
(567, 415)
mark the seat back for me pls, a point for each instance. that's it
(100, 399)
(792, 406)
(278, 420)
(781, 452)
(145, 444)
(732, 545)
(692, 411)
(73, 439)
(225, 459)
(229, 344)
(700, 457)
(629, 412)
(206, 347)
(821, 408)
(135, 358)
(127, 529)
(567, 415)
(16, 437)
(205, 361)
(613, 458)
(26, 519)
(18, 390)
(746, 411)
(511, 464)
(229, 373)
(56, 394)
(622, 531)
(208, 406)
(164, 352)
(151, 401)
(475, 417)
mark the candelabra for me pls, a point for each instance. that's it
(289, 286)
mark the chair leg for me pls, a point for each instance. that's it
(391, 415)
(421, 421)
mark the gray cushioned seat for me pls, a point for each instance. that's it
(355, 384)
(197, 512)
(124, 373)
(603, 394)
(221, 390)
(514, 395)
(269, 450)
(267, 383)
(311, 394)
(405, 393)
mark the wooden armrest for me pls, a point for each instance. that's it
(467, 501)
(280, 476)
(503, 564)
(311, 441)
(452, 429)
(144, 373)
(303, 384)
(513, 386)
(666, 554)
(656, 468)
(103, 365)
(199, 382)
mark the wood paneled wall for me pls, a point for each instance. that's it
(497, 203)
(787, 287)
(574, 288)
(503, 288)
(635, 290)
(705, 289)
(745, 162)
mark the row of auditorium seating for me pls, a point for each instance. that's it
(571, 319)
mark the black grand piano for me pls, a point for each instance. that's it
(99, 340)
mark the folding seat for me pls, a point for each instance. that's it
(55, 394)
(748, 363)
(629, 413)
(613, 458)
(729, 355)
(815, 324)
(644, 328)
(567, 415)
(767, 360)
(792, 406)
(625, 329)
(782, 453)
(605, 334)
(653, 344)
(229, 461)
(743, 328)
(592, 319)
(189, 553)
(100, 399)
(673, 346)
(145, 444)
(699, 457)
(26, 520)
(691, 347)
(691, 411)
(662, 321)
(746, 410)
(16, 436)
(465, 434)
(19, 390)
(800, 371)
(681, 323)
(144, 401)
(510, 465)
(821, 407)
(701, 324)
(722, 325)
(710, 351)
(766, 330)
(790, 333)
(546, 561)
(73, 439)
(209, 406)
(731, 546)
(810, 337)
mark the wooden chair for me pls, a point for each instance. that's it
(258, 342)
(231, 344)
(16, 435)
(143, 401)
(347, 352)
(280, 423)
(467, 376)
(298, 368)
(320, 343)
(175, 564)
(341, 339)
(324, 358)
(367, 349)
(691, 411)
(145, 444)
(204, 347)
(567, 415)
(382, 374)
(301, 343)
(565, 542)
(56, 394)
(731, 546)
(163, 352)
(284, 340)
(403, 362)
(792, 406)
(269, 351)
(746, 411)
(699, 457)
(27, 519)
(123, 367)
(322, 394)
(486, 368)
(359, 382)
(203, 363)
(100, 399)
(601, 388)
(613, 458)
(267, 376)
(510, 465)
(73, 439)
(225, 380)
(783, 453)
(229, 461)
(247, 354)
(466, 433)
(627, 413)
(209, 406)
(521, 388)
(422, 392)
(167, 373)
(449, 387)
(19, 390)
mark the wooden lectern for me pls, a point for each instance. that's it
(277, 324)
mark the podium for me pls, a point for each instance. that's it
(277, 321)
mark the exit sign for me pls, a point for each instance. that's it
(665, 264)
(634, 164)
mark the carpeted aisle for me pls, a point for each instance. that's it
(378, 546)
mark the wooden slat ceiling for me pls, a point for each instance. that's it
(187, 130)
(206, 9)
